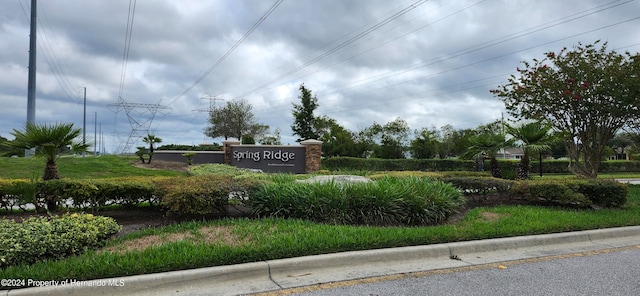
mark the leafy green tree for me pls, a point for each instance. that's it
(48, 140)
(586, 93)
(338, 141)
(535, 138)
(456, 142)
(305, 124)
(271, 139)
(390, 140)
(151, 140)
(426, 144)
(234, 120)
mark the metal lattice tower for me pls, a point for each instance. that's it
(140, 126)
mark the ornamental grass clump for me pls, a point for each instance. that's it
(387, 201)
(41, 238)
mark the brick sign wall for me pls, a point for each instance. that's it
(289, 159)
(301, 159)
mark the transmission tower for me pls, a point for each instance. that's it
(212, 105)
(140, 125)
(212, 102)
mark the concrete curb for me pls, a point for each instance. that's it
(294, 272)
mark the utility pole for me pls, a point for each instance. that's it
(100, 150)
(84, 123)
(95, 132)
(31, 84)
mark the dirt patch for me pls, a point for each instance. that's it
(492, 217)
(207, 235)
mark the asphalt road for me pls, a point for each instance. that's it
(606, 272)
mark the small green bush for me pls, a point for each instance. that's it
(387, 201)
(605, 193)
(204, 194)
(558, 192)
(574, 192)
(197, 195)
(42, 238)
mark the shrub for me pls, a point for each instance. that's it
(197, 195)
(605, 193)
(387, 201)
(18, 193)
(558, 192)
(42, 238)
(574, 192)
(204, 194)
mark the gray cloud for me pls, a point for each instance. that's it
(431, 66)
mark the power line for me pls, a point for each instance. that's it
(340, 46)
(483, 45)
(127, 45)
(235, 45)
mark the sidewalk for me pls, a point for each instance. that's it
(295, 272)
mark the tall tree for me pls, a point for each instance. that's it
(426, 144)
(389, 140)
(534, 138)
(305, 124)
(48, 140)
(586, 93)
(338, 141)
(234, 120)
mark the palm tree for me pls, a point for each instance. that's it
(151, 139)
(534, 137)
(49, 140)
(488, 144)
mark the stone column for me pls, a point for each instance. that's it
(313, 155)
(226, 144)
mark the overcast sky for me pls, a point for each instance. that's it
(430, 63)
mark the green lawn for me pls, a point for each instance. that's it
(77, 167)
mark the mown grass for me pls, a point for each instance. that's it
(77, 167)
(248, 240)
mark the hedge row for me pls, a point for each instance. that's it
(581, 193)
(195, 195)
(440, 165)
(83, 194)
